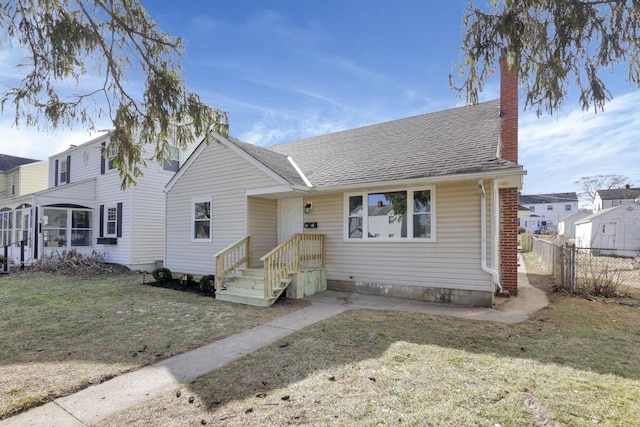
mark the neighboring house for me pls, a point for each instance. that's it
(84, 208)
(609, 198)
(19, 175)
(611, 231)
(567, 226)
(547, 210)
(440, 191)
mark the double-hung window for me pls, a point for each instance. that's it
(400, 215)
(63, 171)
(201, 220)
(173, 164)
(111, 221)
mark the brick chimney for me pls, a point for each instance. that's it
(509, 199)
(508, 112)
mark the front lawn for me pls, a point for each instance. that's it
(60, 334)
(576, 363)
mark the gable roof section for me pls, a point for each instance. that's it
(273, 164)
(8, 162)
(619, 194)
(548, 198)
(456, 141)
(605, 212)
(278, 163)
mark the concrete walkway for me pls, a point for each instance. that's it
(98, 402)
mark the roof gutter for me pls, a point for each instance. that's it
(483, 237)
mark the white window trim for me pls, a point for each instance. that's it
(62, 171)
(193, 219)
(365, 225)
(106, 221)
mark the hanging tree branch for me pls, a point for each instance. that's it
(551, 44)
(66, 42)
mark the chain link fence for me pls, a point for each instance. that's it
(590, 270)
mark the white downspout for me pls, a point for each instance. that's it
(483, 237)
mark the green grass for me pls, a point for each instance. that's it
(60, 334)
(576, 363)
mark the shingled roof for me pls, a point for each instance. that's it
(619, 194)
(456, 141)
(548, 198)
(9, 162)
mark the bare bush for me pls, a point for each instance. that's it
(73, 263)
(598, 276)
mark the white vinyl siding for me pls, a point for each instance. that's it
(226, 184)
(263, 221)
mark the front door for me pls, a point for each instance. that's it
(289, 218)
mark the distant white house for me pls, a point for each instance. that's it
(611, 231)
(84, 208)
(547, 210)
(610, 198)
(567, 226)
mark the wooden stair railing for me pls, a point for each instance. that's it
(300, 251)
(231, 259)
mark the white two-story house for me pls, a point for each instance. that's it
(605, 199)
(547, 210)
(85, 209)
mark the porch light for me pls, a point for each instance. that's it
(307, 207)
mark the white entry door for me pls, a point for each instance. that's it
(289, 218)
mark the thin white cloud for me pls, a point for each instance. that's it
(557, 151)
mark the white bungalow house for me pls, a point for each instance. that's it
(423, 207)
(547, 210)
(614, 197)
(84, 208)
(611, 231)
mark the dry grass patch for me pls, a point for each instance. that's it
(574, 363)
(60, 334)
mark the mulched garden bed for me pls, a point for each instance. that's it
(192, 287)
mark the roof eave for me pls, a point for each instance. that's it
(494, 174)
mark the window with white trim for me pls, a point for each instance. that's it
(112, 153)
(63, 171)
(67, 227)
(393, 215)
(110, 221)
(174, 164)
(6, 226)
(201, 220)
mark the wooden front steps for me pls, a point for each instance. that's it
(248, 288)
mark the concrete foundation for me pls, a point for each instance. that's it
(439, 295)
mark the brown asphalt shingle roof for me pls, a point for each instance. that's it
(456, 141)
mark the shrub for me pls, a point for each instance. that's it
(207, 283)
(186, 279)
(162, 274)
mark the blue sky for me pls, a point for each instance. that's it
(291, 69)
